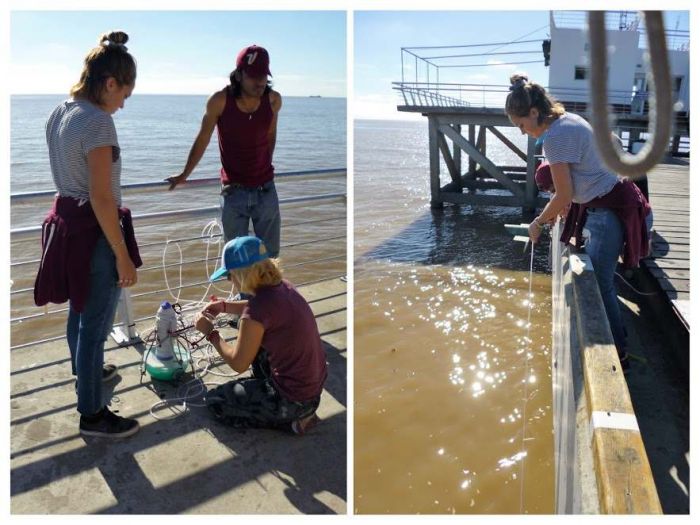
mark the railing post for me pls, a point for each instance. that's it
(125, 334)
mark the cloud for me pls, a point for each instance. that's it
(380, 107)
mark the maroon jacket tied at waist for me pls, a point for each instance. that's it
(68, 238)
(244, 143)
(630, 206)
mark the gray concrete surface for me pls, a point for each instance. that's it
(189, 464)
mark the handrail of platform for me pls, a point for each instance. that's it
(677, 39)
(625, 101)
(124, 332)
(198, 182)
(607, 431)
(191, 212)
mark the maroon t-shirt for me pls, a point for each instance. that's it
(244, 143)
(291, 338)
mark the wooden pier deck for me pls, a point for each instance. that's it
(669, 195)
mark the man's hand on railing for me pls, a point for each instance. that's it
(175, 180)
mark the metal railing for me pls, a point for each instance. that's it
(124, 331)
(676, 39)
(424, 94)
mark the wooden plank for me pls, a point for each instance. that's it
(671, 247)
(434, 162)
(457, 153)
(484, 162)
(623, 475)
(674, 285)
(515, 149)
(472, 140)
(668, 273)
(531, 190)
(667, 263)
(674, 295)
(449, 162)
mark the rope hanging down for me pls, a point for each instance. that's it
(660, 100)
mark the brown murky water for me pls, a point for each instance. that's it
(452, 400)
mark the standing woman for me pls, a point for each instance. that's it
(613, 209)
(88, 248)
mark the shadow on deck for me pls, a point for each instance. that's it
(189, 464)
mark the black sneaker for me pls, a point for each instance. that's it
(109, 371)
(109, 425)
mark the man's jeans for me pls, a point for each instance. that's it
(604, 247)
(261, 205)
(86, 331)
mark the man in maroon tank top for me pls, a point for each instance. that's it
(245, 115)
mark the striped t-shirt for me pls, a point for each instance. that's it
(73, 129)
(570, 139)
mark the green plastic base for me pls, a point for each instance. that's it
(168, 370)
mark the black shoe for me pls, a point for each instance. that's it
(109, 371)
(109, 425)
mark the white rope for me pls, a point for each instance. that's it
(202, 365)
(660, 99)
(526, 380)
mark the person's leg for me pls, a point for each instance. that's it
(94, 323)
(254, 402)
(604, 247)
(72, 327)
(267, 220)
(235, 213)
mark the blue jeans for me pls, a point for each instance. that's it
(241, 205)
(87, 330)
(604, 247)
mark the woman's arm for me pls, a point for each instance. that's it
(563, 192)
(99, 161)
(241, 354)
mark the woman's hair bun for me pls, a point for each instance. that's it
(518, 80)
(114, 38)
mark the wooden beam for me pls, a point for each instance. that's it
(449, 161)
(435, 201)
(481, 141)
(623, 474)
(457, 153)
(515, 149)
(531, 190)
(484, 162)
(472, 140)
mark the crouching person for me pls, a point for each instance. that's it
(277, 335)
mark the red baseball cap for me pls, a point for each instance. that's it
(254, 60)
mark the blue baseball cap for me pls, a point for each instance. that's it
(240, 252)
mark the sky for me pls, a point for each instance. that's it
(380, 35)
(189, 52)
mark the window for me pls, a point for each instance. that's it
(677, 83)
(580, 73)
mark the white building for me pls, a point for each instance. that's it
(627, 68)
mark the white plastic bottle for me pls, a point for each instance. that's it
(166, 324)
